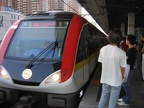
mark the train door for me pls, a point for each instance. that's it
(85, 37)
(86, 54)
(82, 60)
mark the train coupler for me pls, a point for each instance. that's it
(29, 102)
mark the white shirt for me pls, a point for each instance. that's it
(112, 58)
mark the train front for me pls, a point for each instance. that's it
(31, 58)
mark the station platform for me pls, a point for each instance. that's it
(92, 94)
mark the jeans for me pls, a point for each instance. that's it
(126, 86)
(113, 92)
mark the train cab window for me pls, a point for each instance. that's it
(33, 37)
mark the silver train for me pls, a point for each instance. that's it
(47, 59)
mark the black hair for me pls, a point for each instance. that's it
(115, 36)
(131, 38)
(124, 38)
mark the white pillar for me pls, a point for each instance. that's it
(131, 23)
(123, 29)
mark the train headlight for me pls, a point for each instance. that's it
(54, 78)
(3, 73)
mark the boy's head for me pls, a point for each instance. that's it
(131, 38)
(115, 36)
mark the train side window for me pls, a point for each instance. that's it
(92, 38)
(80, 51)
(83, 47)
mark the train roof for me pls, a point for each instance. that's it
(50, 14)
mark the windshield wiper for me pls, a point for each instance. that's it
(50, 48)
(56, 44)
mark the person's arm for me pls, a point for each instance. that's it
(142, 51)
(122, 71)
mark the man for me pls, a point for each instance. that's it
(113, 61)
(142, 51)
(131, 58)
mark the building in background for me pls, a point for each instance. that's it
(29, 6)
(72, 6)
(5, 3)
(8, 16)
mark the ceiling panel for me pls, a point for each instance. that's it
(111, 13)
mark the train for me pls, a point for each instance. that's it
(47, 58)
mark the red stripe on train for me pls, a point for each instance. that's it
(70, 48)
(6, 40)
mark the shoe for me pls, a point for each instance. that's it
(120, 100)
(122, 103)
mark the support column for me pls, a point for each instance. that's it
(131, 23)
(123, 29)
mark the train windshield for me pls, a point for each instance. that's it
(43, 39)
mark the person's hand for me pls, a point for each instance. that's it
(142, 50)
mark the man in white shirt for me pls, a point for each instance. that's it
(142, 51)
(113, 61)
